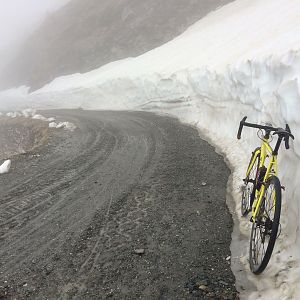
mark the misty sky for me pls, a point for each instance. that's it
(19, 17)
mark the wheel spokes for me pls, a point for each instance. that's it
(262, 227)
(259, 244)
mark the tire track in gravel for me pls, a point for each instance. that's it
(72, 216)
(32, 199)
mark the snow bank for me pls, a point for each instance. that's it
(4, 168)
(27, 113)
(31, 113)
(243, 59)
(65, 125)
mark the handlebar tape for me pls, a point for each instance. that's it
(241, 128)
(286, 139)
(286, 142)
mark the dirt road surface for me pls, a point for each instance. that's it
(130, 205)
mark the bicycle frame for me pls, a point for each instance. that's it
(264, 151)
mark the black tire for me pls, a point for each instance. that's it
(265, 227)
(249, 187)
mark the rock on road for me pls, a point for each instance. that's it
(130, 205)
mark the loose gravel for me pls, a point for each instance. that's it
(130, 205)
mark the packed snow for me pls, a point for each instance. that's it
(243, 59)
(31, 113)
(4, 168)
(67, 125)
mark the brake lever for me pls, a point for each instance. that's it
(287, 128)
(285, 134)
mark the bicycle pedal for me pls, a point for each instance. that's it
(283, 187)
(251, 219)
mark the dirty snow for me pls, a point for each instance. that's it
(31, 113)
(4, 168)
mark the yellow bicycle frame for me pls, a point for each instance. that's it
(264, 151)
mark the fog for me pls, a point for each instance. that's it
(18, 18)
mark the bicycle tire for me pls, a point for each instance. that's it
(248, 193)
(265, 227)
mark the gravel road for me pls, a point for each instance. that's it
(130, 205)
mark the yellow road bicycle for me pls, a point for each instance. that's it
(262, 193)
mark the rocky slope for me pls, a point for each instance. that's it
(84, 35)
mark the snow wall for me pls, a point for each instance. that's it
(255, 74)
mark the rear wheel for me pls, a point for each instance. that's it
(250, 185)
(265, 226)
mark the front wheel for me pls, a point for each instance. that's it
(265, 226)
